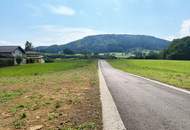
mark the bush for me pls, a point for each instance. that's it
(49, 60)
(153, 55)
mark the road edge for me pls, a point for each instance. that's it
(111, 117)
(158, 82)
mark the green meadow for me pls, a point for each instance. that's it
(37, 69)
(175, 73)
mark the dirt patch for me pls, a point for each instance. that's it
(67, 100)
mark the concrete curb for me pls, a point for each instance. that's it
(110, 114)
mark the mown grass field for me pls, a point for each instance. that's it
(176, 73)
(54, 96)
(38, 69)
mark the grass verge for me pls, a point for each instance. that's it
(175, 73)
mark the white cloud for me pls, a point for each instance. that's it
(6, 43)
(61, 10)
(170, 38)
(11, 43)
(184, 31)
(46, 35)
(50, 34)
(185, 28)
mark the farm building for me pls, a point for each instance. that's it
(14, 55)
(34, 57)
(11, 55)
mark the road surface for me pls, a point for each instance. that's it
(145, 105)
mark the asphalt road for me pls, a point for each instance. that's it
(145, 105)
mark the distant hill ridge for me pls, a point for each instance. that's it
(109, 43)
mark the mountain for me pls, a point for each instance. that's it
(110, 43)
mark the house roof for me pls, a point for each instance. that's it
(9, 49)
(5, 55)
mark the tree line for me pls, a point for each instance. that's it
(179, 49)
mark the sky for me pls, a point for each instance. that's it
(47, 22)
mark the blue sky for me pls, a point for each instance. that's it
(46, 22)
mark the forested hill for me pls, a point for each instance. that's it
(179, 49)
(110, 43)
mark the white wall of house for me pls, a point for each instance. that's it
(18, 53)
